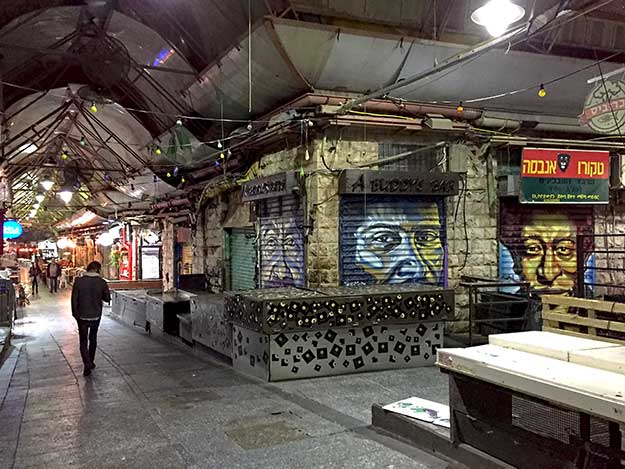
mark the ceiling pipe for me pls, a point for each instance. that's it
(513, 37)
(171, 203)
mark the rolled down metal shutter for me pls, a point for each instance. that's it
(538, 244)
(242, 259)
(392, 239)
(281, 243)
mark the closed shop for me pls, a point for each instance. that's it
(391, 239)
(281, 242)
(538, 244)
(242, 258)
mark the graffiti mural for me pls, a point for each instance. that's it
(539, 245)
(391, 240)
(281, 242)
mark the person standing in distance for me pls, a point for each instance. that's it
(54, 271)
(34, 273)
(88, 293)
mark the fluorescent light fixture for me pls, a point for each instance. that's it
(497, 15)
(606, 75)
(28, 148)
(47, 184)
(83, 219)
(66, 195)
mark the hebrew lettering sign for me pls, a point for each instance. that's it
(356, 181)
(565, 176)
(604, 108)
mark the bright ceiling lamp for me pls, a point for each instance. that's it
(40, 197)
(497, 15)
(47, 183)
(66, 195)
(105, 239)
(65, 243)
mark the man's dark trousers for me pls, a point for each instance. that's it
(54, 284)
(88, 330)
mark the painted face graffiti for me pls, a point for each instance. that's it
(401, 244)
(282, 254)
(539, 245)
(549, 257)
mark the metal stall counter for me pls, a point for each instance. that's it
(281, 334)
(210, 326)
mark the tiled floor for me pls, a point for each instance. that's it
(150, 404)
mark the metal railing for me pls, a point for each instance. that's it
(493, 308)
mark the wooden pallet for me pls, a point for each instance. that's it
(595, 319)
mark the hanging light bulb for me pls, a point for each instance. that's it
(460, 108)
(66, 195)
(217, 163)
(40, 197)
(47, 183)
(176, 171)
(249, 126)
(93, 108)
(179, 122)
(168, 174)
(183, 180)
(64, 155)
(222, 156)
(83, 142)
(542, 92)
(158, 150)
(497, 15)
(307, 155)
(219, 144)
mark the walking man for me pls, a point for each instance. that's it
(34, 274)
(54, 271)
(88, 293)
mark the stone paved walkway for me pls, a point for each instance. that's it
(150, 404)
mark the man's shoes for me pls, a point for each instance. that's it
(87, 372)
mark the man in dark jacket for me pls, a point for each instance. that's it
(88, 293)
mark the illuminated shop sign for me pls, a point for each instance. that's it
(12, 229)
(565, 176)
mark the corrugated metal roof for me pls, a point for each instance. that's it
(273, 80)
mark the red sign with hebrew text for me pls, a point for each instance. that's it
(570, 164)
(565, 176)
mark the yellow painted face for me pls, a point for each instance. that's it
(549, 256)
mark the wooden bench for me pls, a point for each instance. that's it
(580, 317)
(539, 400)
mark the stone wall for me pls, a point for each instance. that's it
(213, 242)
(610, 219)
(168, 238)
(199, 248)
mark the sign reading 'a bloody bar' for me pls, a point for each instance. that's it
(565, 176)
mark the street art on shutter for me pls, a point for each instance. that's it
(281, 243)
(539, 245)
(390, 240)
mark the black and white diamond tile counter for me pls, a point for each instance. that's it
(282, 334)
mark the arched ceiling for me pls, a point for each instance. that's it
(144, 63)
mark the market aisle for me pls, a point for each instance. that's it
(152, 404)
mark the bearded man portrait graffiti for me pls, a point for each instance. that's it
(539, 245)
(389, 241)
(282, 256)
